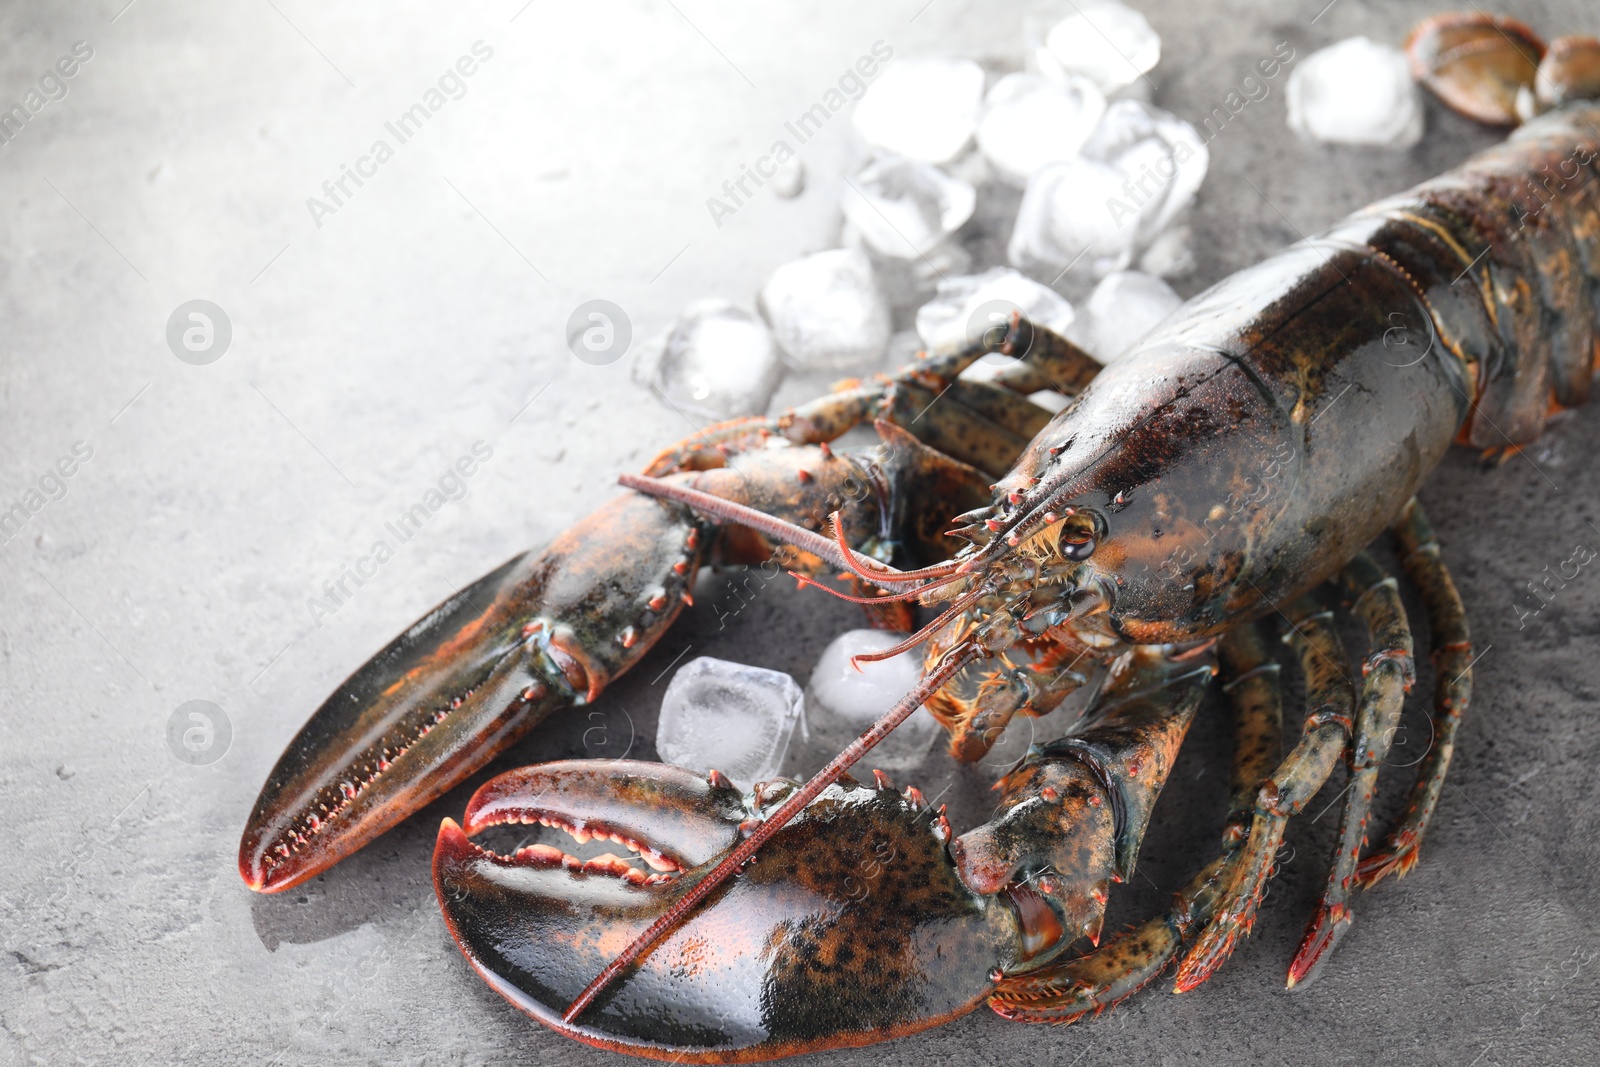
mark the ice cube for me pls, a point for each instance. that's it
(790, 179)
(737, 719)
(922, 109)
(1121, 310)
(1070, 222)
(1170, 254)
(1096, 214)
(967, 307)
(1163, 157)
(1107, 42)
(718, 361)
(903, 209)
(1356, 92)
(827, 312)
(1028, 122)
(841, 702)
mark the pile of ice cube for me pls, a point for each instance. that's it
(975, 185)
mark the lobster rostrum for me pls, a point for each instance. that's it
(1134, 544)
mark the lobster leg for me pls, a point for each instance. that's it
(980, 423)
(1100, 979)
(1255, 690)
(1452, 659)
(1076, 810)
(1097, 980)
(1221, 900)
(1052, 362)
(1390, 672)
(1331, 698)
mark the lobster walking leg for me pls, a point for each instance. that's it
(1331, 700)
(1256, 692)
(1389, 672)
(1452, 659)
(1221, 900)
(980, 411)
(1097, 980)
(1052, 362)
(1077, 808)
(1100, 979)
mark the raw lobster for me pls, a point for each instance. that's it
(1243, 454)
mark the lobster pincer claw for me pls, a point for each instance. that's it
(545, 631)
(849, 926)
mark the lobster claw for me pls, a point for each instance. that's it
(545, 631)
(348, 775)
(850, 926)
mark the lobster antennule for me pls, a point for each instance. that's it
(953, 662)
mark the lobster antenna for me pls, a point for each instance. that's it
(953, 661)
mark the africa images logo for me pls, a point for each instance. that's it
(52, 86)
(851, 85)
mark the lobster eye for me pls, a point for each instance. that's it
(1079, 535)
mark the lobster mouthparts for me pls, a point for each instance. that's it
(850, 926)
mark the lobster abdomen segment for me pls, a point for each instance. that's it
(1506, 250)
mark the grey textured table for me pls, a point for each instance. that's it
(374, 343)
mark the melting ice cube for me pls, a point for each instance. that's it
(719, 361)
(1028, 122)
(1171, 253)
(827, 311)
(1069, 222)
(922, 108)
(1105, 41)
(1121, 310)
(728, 717)
(841, 702)
(903, 208)
(1162, 156)
(1093, 215)
(790, 179)
(966, 307)
(1355, 92)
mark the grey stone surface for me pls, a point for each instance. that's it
(428, 312)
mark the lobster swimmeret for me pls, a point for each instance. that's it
(1247, 451)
